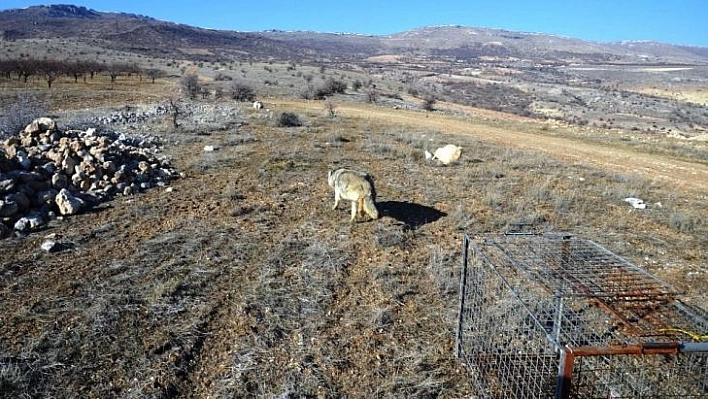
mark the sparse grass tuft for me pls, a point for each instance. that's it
(684, 223)
(14, 382)
(387, 236)
(443, 266)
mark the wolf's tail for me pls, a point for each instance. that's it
(370, 207)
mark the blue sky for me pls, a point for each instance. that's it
(677, 21)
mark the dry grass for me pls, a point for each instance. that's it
(243, 282)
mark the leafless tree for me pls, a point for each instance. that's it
(175, 110)
(190, 85)
(76, 70)
(26, 68)
(154, 73)
(51, 70)
(331, 109)
(242, 92)
(118, 68)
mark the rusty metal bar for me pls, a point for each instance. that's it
(564, 384)
(650, 348)
(568, 355)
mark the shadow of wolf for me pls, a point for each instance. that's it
(412, 215)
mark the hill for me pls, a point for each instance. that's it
(135, 33)
(141, 34)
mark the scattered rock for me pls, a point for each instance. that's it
(51, 245)
(31, 222)
(67, 203)
(23, 160)
(636, 202)
(40, 125)
(8, 208)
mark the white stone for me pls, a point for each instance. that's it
(68, 204)
(447, 154)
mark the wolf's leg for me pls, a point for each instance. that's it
(360, 206)
(354, 210)
(336, 200)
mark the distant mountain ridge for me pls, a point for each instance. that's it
(539, 44)
(131, 32)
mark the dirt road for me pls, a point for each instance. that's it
(678, 174)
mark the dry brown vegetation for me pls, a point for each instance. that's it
(242, 282)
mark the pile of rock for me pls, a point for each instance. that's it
(130, 115)
(47, 173)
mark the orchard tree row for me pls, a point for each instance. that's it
(51, 70)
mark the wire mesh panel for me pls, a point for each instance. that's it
(545, 316)
(641, 376)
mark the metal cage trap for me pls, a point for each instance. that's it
(555, 316)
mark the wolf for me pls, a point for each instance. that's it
(355, 186)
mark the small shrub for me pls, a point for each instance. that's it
(288, 119)
(328, 88)
(429, 104)
(13, 381)
(392, 236)
(242, 92)
(333, 86)
(222, 77)
(682, 222)
(442, 268)
(308, 93)
(372, 96)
